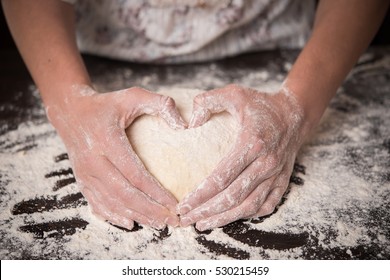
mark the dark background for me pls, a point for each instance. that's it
(7, 43)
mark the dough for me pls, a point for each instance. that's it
(181, 159)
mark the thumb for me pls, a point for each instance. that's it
(154, 104)
(168, 111)
(208, 103)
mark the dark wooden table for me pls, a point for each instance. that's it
(369, 86)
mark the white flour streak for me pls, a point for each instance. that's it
(342, 187)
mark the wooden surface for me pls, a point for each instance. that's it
(19, 106)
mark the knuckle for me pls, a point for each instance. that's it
(276, 195)
(250, 209)
(257, 144)
(218, 181)
(273, 162)
(124, 94)
(283, 181)
(234, 88)
(238, 92)
(267, 208)
(135, 88)
(230, 201)
(199, 100)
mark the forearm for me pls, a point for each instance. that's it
(44, 32)
(342, 31)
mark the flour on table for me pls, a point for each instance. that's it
(181, 159)
(338, 207)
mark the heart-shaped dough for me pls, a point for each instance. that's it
(181, 159)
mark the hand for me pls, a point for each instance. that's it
(111, 176)
(251, 179)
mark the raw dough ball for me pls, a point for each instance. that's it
(181, 159)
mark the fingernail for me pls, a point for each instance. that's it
(158, 225)
(185, 221)
(172, 221)
(183, 209)
(129, 224)
(202, 226)
(197, 118)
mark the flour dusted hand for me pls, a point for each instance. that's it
(251, 179)
(111, 176)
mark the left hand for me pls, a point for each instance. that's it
(111, 176)
(251, 179)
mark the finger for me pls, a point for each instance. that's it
(273, 198)
(97, 207)
(215, 101)
(151, 104)
(249, 207)
(232, 196)
(230, 167)
(116, 189)
(168, 111)
(270, 204)
(118, 214)
(246, 150)
(124, 158)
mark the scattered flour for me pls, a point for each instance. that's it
(341, 206)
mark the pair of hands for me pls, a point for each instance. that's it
(249, 182)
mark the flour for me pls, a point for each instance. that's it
(331, 211)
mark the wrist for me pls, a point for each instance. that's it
(297, 115)
(65, 101)
(311, 101)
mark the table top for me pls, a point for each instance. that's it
(337, 205)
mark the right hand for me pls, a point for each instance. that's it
(251, 180)
(112, 178)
